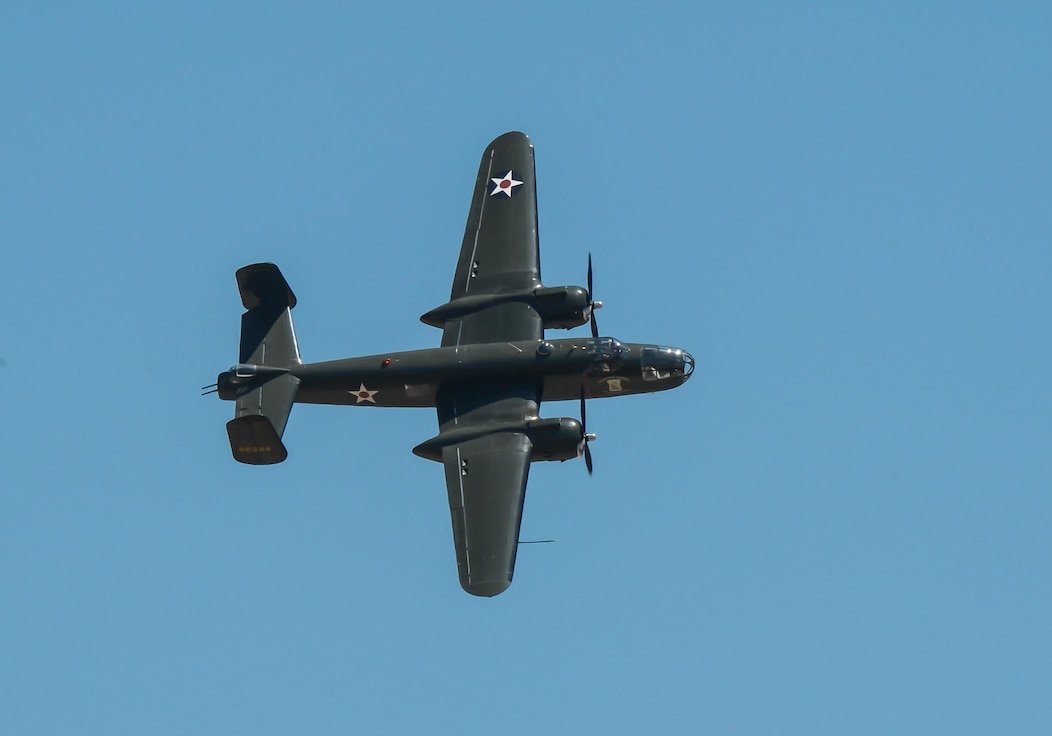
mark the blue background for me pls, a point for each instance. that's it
(839, 525)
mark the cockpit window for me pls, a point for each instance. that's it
(605, 348)
(660, 363)
(605, 354)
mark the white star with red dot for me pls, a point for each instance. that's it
(505, 185)
(363, 394)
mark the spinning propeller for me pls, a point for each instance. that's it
(585, 437)
(592, 304)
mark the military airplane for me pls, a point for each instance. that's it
(487, 380)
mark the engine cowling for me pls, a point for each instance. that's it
(562, 307)
(555, 438)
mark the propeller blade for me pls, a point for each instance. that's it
(584, 424)
(589, 276)
(592, 303)
(585, 437)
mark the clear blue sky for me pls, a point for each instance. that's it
(840, 525)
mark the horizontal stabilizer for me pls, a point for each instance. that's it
(254, 441)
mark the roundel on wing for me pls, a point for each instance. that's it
(505, 184)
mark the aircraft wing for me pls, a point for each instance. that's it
(486, 472)
(486, 480)
(486, 477)
(500, 249)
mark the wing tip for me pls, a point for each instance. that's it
(486, 589)
(511, 138)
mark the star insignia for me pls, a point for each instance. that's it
(363, 394)
(505, 185)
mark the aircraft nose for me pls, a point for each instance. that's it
(688, 365)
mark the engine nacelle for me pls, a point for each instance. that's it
(562, 307)
(555, 439)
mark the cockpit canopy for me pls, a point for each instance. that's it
(606, 348)
(606, 354)
(660, 363)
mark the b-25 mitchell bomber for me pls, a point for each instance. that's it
(487, 380)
